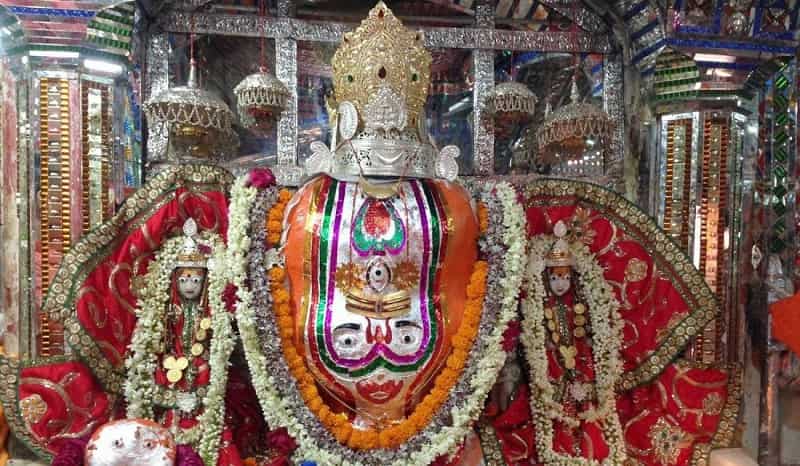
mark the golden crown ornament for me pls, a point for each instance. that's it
(381, 75)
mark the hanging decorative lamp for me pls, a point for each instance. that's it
(261, 97)
(199, 122)
(572, 130)
(511, 103)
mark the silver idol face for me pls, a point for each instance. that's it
(190, 283)
(131, 441)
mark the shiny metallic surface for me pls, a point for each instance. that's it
(188, 105)
(117, 442)
(483, 124)
(661, 167)
(197, 121)
(260, 92)
(614, 106)
(578, 131)
(373, 154)
(484, 14)
(511, 97)
(285, 7)
(286, 70)
(483, 74)
(254, 26)
(156, 81)
(27, 190)
(289, 175)
(769, 424)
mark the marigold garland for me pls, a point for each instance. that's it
(275, 217)
(502, 245)
(393, 436)
(338, 424)
(483, 217)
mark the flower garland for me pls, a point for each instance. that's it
(503, 246)
(607, 328)
(140, 387)
(275, 218)
(223, 341)
(399, 433)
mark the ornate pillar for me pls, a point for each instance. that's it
(26, 193)
(613, 104)
(778, 184)
(287, 170)
(156, 80)
(11, 216)
(483, 71)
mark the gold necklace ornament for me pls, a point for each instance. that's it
(558, 326)
(175, 367)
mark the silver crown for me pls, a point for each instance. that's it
(384, 147)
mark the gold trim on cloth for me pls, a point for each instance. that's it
(94, 247)
(726, 429)
(668, 258)
(10, 378)
(492, 453)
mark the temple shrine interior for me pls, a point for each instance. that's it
(399, 232)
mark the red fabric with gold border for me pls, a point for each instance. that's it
(671, 412)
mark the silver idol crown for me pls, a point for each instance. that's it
(380, 144)
(381, 76)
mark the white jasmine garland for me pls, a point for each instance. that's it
(607, 328)
(506, 246)
(148, 334)
(148, 337)
(223, 340)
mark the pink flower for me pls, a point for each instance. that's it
(204, 249)
(229, 297)
(280, 441)
(261, 178)
(511, 336)
(187, 457)
(72, 453)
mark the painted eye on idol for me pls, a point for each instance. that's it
(347, 340)
(408, 335)
(378, 275)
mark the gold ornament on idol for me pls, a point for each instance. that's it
(382, 53)
(559, 260)
(188, 262)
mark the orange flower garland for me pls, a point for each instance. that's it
(275, 217)
(338, 423)
(483, 217)
(393, 436)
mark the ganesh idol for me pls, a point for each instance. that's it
(381, 288)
